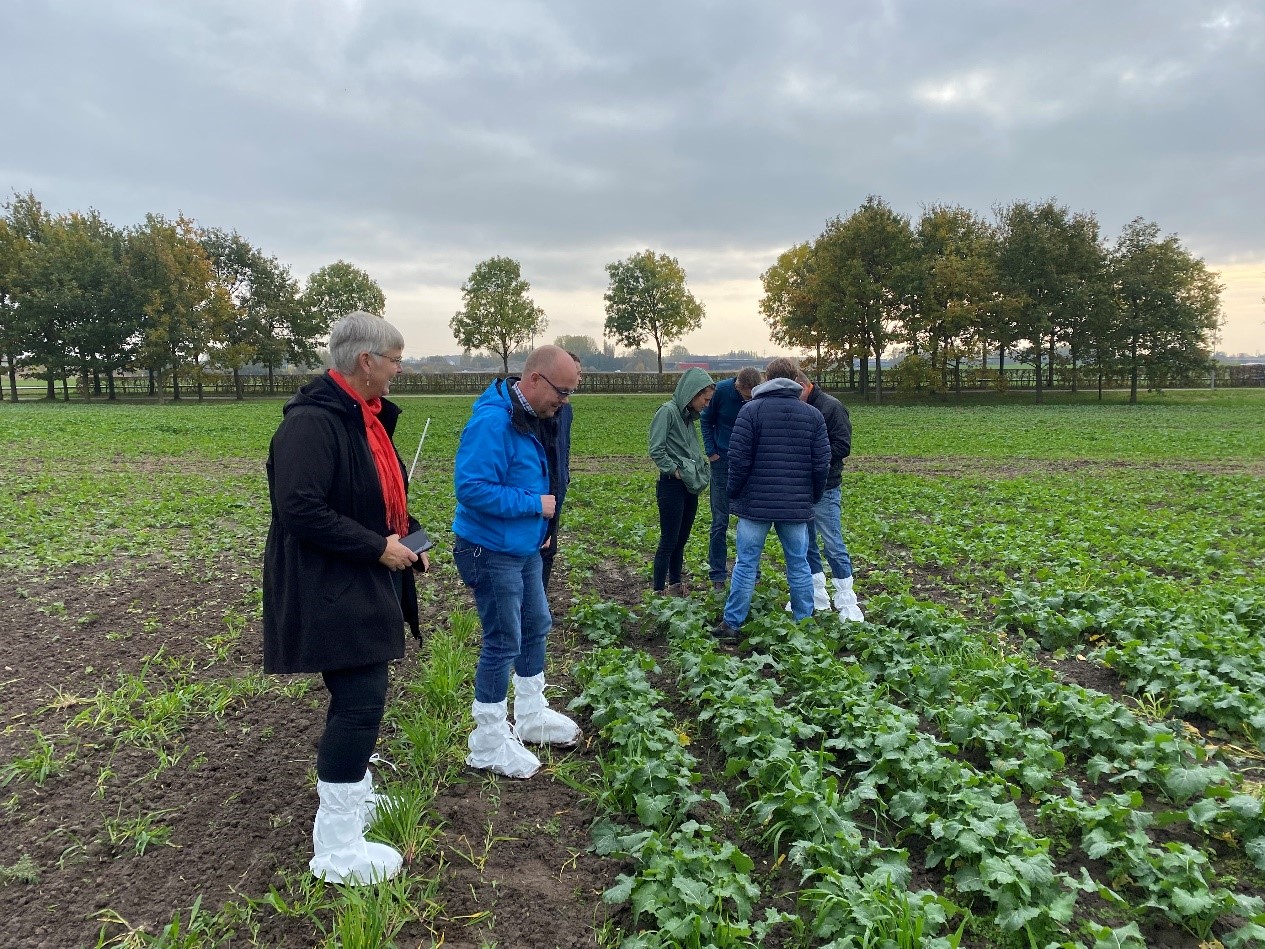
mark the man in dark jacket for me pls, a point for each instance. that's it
(779, 458)
(827, 522)
(717, 423)
(558, 448)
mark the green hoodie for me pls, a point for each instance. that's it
(674, 440)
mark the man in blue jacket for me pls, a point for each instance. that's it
(505, 501)
(779, 458)
(717, 422)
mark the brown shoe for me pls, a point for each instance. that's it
(677, 589)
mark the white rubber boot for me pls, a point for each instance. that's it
(338, 837)
(845, 601)
(821, 599)
(535, 722)
(495, 747)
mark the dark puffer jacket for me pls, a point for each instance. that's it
(838, 430)
(779, 456)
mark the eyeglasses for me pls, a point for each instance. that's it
(562, 393)
(398, 360)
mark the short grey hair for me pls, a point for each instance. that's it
(357, 333)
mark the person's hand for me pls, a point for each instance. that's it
(422, 565)
(715, 457)
(677, 474)
(548, 506)
(397, 556)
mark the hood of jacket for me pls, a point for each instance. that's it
(692, 382)
(777, 387)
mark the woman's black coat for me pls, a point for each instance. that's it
(328, 603)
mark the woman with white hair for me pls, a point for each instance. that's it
(338, 584)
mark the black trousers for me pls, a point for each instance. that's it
(357, 699)
(677, 508)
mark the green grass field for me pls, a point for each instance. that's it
(1006, 554)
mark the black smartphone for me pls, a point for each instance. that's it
(417, 541)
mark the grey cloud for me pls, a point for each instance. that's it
(426, 136)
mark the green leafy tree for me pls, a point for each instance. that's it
(81, 300)
(1169, 304)
(26, 225)
(956, 281)
(264, 322)
(647, 300)
(586, 347)
(336, 290)
(791, 302)
(20, 228)
(867, 275)
(1048, 262)
(498, 316)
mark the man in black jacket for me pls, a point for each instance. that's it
(827, 513)
(779, 457)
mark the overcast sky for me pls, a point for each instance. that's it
(415, 139)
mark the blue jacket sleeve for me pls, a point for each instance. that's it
(707, 421)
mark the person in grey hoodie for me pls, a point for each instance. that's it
(683, 473)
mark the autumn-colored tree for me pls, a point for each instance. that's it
(176, 287)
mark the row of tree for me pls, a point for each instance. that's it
(82, 297)
(646, 301)
(1037, 282)
(79, 296)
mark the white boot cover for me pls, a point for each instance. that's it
(845, 601)
(535, 722)
(821, 599)
(338, 837)
(369, 809)
(495, 747)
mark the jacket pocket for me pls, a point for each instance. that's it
(695, 474)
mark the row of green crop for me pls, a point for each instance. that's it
(853, 890)
(822, 746)
(1017, 713)
(1203, 654)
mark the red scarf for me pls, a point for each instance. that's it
(384, 457)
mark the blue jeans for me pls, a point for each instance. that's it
(750, 544)
(826, 524)
(510, 596)
(718, 541)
